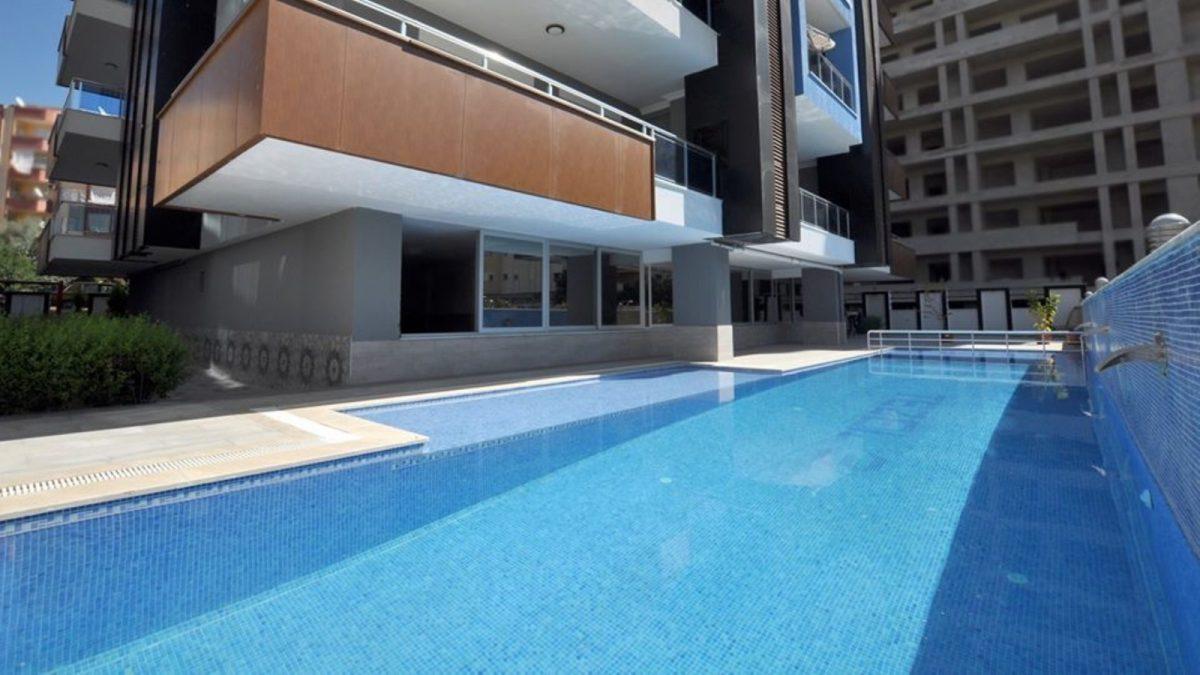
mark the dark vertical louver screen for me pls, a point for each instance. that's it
(778, 131)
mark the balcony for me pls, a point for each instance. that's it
(826, 110)
(820, 212)
(890, 95)
(78, 239)
(635, 50)
(95, 43)
(408, 119)
(86, 140)
(887, 25)
(894, 176)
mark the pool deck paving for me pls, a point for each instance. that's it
(213, 430)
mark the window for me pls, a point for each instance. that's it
(939, 272)
(572, 286)
(739, 296)
(99, 220)
(935, 184)
(992, 79)
(512, 283)
(437, 286)
(937, 226)
(932, 139)
(620, 289)
(902, 229)
(762, 297)
(661, 303)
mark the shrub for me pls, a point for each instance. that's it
(51, 363)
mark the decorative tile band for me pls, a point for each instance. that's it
(285, 360)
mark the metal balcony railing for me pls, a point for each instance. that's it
(828, 74)
(683, 163)
(94, 98)
(822, 213)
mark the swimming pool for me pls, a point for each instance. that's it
(899, 513)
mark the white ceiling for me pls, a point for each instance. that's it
(828, 15)
(635, 50)
(294, 183)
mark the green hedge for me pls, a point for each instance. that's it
(71, 361)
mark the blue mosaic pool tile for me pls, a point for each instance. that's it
(755, 527)
(1148, 419)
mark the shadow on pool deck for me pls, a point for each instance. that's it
(1038, 578)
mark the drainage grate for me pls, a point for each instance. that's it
(35, 487)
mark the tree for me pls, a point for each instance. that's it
(17, 237)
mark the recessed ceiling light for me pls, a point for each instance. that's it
(555, 29)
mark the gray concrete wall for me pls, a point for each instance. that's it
(702, 304)
(297, 280)
(282, 309)
(417, 358)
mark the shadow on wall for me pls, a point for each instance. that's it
(1038, 578)
(1149, 423)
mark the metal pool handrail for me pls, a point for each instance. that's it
(974, 340)
(503, 67)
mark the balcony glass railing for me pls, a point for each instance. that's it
(676, 160)
(82, 220)
(828, 74)
(95, 99)
(824, 214)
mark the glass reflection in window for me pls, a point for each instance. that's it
(572, 286)
(620, 289)
(512, 283)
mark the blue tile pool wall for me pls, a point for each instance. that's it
(250, 535)
(1148, 422)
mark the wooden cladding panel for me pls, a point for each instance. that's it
(636, 187)
(507, 139)
(594, 182)
(292, 71)
(401, 109)
(304, 76)
(217, 112)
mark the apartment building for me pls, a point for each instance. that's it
(24, 154)
(1039, 137)
(328, 191)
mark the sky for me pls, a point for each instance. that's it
(29, 32)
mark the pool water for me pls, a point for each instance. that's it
(899, 513)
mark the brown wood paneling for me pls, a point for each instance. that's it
(303, 75)
(401, 107)
(249, 47)
(186, 139)
(585, 162)
(163, 185)
(293, 71)
(218, 112)
(508, 138)
(635, 184)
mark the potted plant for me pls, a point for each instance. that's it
(1043, 309)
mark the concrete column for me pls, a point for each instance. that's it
(377, 254)
(824, 308)
(703, 331)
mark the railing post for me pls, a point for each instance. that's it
(685, 165)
